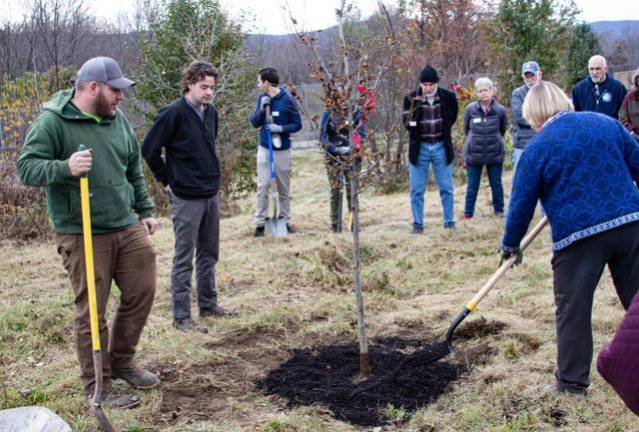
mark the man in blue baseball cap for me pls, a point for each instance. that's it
(522, 132)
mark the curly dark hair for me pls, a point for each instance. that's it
(196, 71)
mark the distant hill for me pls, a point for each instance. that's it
(615, 29)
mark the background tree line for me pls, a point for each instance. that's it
(40, 53)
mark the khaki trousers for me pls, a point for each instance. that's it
(282, 164)
(126, 257)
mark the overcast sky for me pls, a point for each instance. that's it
(270, 16)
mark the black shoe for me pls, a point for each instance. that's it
(216, 311)
(290, 229)
(259, 231)
(187, 324)
(417, 229)
(336, 228)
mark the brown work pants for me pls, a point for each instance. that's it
(126, 257)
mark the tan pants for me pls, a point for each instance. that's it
(282, 164)
(126, 257)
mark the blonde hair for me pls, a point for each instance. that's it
(543, 101)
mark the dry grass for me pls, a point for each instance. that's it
(295, 292)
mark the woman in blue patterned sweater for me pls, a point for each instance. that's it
(582, 166)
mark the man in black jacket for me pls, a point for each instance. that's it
(429, 114)
(190, 173)
(599, 92)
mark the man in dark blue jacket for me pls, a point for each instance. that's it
(190, 172)
(598, 92)
(286, 120)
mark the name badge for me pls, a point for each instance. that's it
(412, 123)
(276, 113)
(476, 120)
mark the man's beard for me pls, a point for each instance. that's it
(102, 107)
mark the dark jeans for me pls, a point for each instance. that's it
(474, 179)
(127, 258)
(196, 224)
(339, 180)
(576, 273)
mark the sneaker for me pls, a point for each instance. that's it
(187, 324)
(136, 378)
(216, 311)
(417, 229)
(110, 399)
(468, 217)
(290, 229)
(450, 226)
(259, 231)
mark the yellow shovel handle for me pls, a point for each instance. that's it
(88, 257)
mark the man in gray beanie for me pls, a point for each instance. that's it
(429, 115)
(121, 217)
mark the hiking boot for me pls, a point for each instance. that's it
(216, 311)
(187, 324)
(110, 399)
(259, 231)
(417, 229)
(136, 378)
(548, 389)
(290, 229)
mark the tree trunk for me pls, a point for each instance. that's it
(364, 361)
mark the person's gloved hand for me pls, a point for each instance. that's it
(264, 100)
(275, 128)
(338, 151)
(505, 255)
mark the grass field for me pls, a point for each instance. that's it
(295, 293)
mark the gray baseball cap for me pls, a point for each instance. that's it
(530, 67)
(106, 70)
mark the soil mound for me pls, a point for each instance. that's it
(328, 376)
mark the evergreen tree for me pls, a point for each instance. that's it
(583, 45)
(525, 30)
(179, 32)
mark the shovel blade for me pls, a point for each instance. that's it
(437, 353)
(276, 227)
(103, 421)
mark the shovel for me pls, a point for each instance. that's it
(275, 226)
(445, 348)
(103, 422)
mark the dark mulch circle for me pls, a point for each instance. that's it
(326, 375)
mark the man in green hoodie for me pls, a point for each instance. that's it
(121, 216)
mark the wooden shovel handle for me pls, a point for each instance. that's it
(472, 305)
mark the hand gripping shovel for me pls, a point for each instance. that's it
(103, 422)
(444, 348)
(275, 226)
